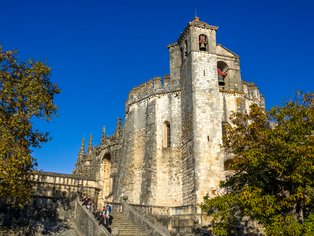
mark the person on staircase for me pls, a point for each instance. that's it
(109, 209)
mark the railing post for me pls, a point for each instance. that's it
(124, 198)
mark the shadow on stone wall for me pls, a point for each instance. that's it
(43, 215)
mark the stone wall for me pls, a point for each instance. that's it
(150, 173)
(175, 61)
(188, 164)
(207, 125)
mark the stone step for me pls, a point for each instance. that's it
(133, 234)
(125, 226)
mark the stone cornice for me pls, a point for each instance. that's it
(233, 92)
(241, 94)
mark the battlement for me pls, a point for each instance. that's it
(152, 87)
(252, 92)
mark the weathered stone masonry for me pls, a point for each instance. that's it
(168, 151)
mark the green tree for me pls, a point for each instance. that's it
(273, 166)
(25, 92)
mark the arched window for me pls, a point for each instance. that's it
(202, 40)
(166, 138)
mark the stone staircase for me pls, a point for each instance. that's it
(125, 226)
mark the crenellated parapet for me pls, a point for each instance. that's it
(155, 86)
(252, 92)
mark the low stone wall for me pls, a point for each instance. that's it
(153, 210)
(86, 222)
(42, 216)
(49, 184)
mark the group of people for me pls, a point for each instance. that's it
(103, 216)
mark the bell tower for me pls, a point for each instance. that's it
(200, 112)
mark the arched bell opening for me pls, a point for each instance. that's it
(202, 40)
(222, 72)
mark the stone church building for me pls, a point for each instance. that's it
(168, 152)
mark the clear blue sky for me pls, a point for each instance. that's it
(99, 50)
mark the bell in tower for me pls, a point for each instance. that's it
(221, 76)
(203, 42)
(222, 69)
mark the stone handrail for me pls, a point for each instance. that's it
(153, 210)
(183, 210)
(86, 222)
(165, 211)
(136, 217)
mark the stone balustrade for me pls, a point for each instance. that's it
(116, 206)
(48, 184)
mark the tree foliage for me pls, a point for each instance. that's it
(25, 92)
(273, 166)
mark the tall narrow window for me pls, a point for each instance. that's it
(186, 48)
(182, 54)
(166, 139)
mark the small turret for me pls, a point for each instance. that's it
(119, 124)
(90, 147)
(80, 158)
(119, 127)
(103, 135)
(90, 144)
(82, 149)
